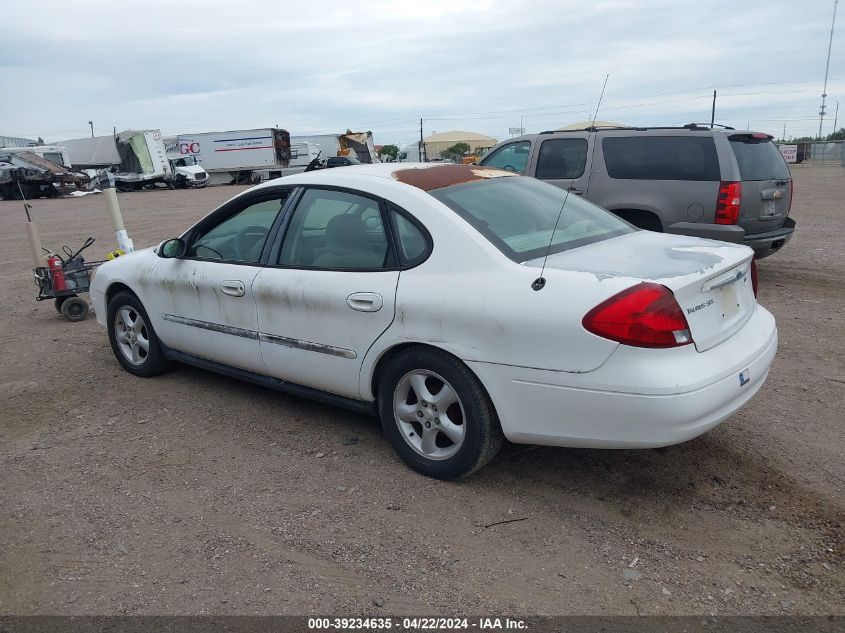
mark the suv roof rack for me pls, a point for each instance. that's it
(707, 126)
(688, 126)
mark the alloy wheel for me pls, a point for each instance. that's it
(429, 414)
(132, 335)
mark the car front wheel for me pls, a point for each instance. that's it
(437, 414)
(132, 338)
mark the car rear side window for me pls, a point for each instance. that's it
(661, 158)
(758, 158)
(335, 230)
(562, 158)
(413, 244)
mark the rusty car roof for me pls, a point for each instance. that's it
(427, 176)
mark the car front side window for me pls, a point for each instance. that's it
(241, 236)
(512, 157)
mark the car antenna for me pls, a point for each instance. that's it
(540, 282)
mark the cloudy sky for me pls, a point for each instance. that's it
(314, 67)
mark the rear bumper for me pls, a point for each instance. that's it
(723, 232)
(638, 398)
(764, 244)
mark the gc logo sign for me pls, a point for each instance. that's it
(188, 147)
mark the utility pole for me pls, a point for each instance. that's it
(422, 144)
(783, 138)
(836, 118)
(713, 111)
(827, 68)
(91, 123)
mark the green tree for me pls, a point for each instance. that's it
(838, 135)
(389, 150)
(458, 149)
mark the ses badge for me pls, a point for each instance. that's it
(744, 377)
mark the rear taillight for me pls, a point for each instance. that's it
(754, 276)
(727, 203)
(645, 315)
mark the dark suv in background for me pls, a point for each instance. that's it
(722, 184)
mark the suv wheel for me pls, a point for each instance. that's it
(437, 414)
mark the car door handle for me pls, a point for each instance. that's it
(575, 190)
(233, 288)
(365, 301)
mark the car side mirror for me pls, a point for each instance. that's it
(172, 248)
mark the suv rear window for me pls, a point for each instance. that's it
(519, 215)
(758, 158)
(661, 158)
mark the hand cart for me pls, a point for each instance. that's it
(63, 279)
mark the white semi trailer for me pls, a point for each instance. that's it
(236, 156)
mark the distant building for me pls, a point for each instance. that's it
(16, 141)
(437, 143)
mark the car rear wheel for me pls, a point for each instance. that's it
(132, 338)
(437, 414)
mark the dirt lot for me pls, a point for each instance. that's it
(193, 493)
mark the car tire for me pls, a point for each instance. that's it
(130, 332)
(448, 441)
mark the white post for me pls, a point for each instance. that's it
(123, 241)
(35, 244)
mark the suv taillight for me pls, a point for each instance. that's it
(645, 315)
(727, 203)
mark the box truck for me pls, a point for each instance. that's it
(135, 158)
(352, 144)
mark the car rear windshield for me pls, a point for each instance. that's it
(758, 158)
(661, 158)
(518, 215)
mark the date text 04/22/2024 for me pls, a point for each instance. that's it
(417, 624)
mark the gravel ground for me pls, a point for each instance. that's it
(193, 493)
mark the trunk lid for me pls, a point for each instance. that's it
(766, 182)
(711, 280)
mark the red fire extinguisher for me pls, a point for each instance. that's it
(54, 263)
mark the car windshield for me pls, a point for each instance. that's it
(518, 216)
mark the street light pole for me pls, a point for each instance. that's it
(827, 68)
(91, 123)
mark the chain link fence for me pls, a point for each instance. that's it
(824, 153)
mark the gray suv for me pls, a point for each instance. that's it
(722, 184)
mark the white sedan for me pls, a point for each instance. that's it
(463, 305)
